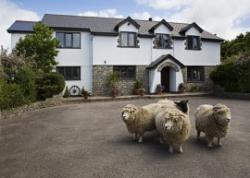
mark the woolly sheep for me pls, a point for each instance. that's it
(174, 128)
(213, 121)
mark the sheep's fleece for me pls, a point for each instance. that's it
(174, 127)
(213, 121)
(141, 119)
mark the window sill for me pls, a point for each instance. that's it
(193, 49)
(68, 48)
(162, 48)
(128, 46)
(195, 81)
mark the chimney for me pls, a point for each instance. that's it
(150, 19)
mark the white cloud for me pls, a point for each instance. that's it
(102, 13)
(8, 14)
(218, 16)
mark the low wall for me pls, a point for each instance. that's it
(15, 112)
(219, 92)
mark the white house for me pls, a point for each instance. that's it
(152, 52)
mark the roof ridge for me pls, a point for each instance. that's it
(118, 18)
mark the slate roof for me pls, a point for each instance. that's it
(101, 25)
(162, 58)
(22, 26)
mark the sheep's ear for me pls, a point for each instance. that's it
(186, 101)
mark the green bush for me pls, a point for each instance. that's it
(11, 96)
(25, 77)
(137, 85)
(233, 76)
(49, 84)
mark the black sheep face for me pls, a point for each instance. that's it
(182, 105)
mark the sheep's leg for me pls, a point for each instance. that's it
(198, 134)
(219, 141)
(171, 149)
(161, 140)
(140, 140)
(136, 137)
(179, 147)
(210, 142)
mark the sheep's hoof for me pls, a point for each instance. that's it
(171, 149)
(210, 145)
(140, 140)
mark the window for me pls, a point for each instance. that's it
(193, 42)
(163, 41)
(195, 73)
(69, 40)
(128, 39)
(70, 73)
(125, 72)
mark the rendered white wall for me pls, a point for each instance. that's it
(105, 49)
(15, 38)
(128, 27)
(79, 57)
(162, 29)
(193, 31)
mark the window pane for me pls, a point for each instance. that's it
(195, 42)
(76, 40)
(195, 73)
(131, 39)
(125, 72)
(124, 39)
(70, 73)
(68, 40)
(60, 38)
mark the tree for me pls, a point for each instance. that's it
(239, 45)
(39, 46)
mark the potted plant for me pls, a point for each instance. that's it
(85, 93)
(181, 88)
(141, 91)
(159, 89)
(112, 83)
(137, 85)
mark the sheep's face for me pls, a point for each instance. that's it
(222, 114)
(172, 124)
(129, 112)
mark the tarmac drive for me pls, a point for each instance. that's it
(90, 140)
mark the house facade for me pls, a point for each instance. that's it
(152, 52)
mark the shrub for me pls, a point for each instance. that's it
(49, 84)
(137, 85)
(113, 80)
(25, 77)
(11, 96)
(233, 76)
(85, 93)
(181, 88)
(159, 89)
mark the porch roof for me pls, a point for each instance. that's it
(163, 58)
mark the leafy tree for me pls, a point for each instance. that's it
(241, 44)
(39, 46)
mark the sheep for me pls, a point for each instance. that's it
(138, 120)
(214, 121)
(141, 119)
(174, 128)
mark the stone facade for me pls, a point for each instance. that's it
(100, 83)
(205, 85)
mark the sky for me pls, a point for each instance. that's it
(226, 18)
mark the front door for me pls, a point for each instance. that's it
(165, 79)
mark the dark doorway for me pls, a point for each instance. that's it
(165, 79)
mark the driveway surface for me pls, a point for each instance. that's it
(90, 140)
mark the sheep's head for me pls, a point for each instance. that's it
(183, 106)
(129, 112)
(173, 122)
(222, 114)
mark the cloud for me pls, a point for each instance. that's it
(102, 13)
(8, 14)
(218, 17)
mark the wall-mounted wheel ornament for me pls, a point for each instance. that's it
(75, 91)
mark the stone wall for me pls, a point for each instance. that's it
(206, 85)
(100, 83)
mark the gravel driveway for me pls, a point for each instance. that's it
(90, 140)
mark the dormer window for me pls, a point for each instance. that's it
(193, 43)
(163, 41)
(128, 39)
